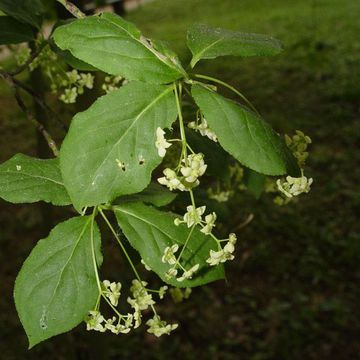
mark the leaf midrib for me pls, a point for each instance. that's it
(93, 179)
(65, 265)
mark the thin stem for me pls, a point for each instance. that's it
(93, 249)
(192, 199)
(125, 253)
(37, 98)
(229, 87)
(33, 56)
(75, 11)
(121, 245)
(184, 247)
(181, 121)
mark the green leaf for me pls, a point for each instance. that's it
(110, 148)
(150, 231)
(154, 194)
(117, 47)
(206, 42)
(254, 182)
(24, 179)
(56, 285)
(71, 60)
(27, 11)
(245, 135)
(13, 31)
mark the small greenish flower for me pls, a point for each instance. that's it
(188, 274)
(169, 254)
(159, 327)
(162, 291)
(232, 238)
(294, 186)
(137, 315)
(194, 167)
(161, 143)
(171, 180)
(141, 297)
(193, 216)
(94, 321)
(112, 291)
(210, 223)
(112, 83)
(171, 273)
(118, 328)
(298, 145)
(204, 129)
(69, 96)
(225, 254)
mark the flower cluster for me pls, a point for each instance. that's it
(194, 167)
(298, 145)
(159, 327)
(141, 298)
(73, 85)
(224, 254)
(122, 324)
(203, 128)
(193, 216)
(112, 83)
(294, 186)
(112, 291)
(169, 258)
(96, 321)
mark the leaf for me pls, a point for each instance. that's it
(254, 182)
(56, 286)
(245, 135)
(110, 148)
(27, 11)
(154, 194)
(117, 47)
(150, 231)
(71, 60)
(24, 179)
(13, 31)
(206, 42)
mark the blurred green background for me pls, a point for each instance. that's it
(292, 292)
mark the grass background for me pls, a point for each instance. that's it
(292, 292)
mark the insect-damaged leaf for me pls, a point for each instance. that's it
(110, 148)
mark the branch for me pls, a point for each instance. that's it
(76, 12)
(33, 56)
(40, 127)
(41, 102)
